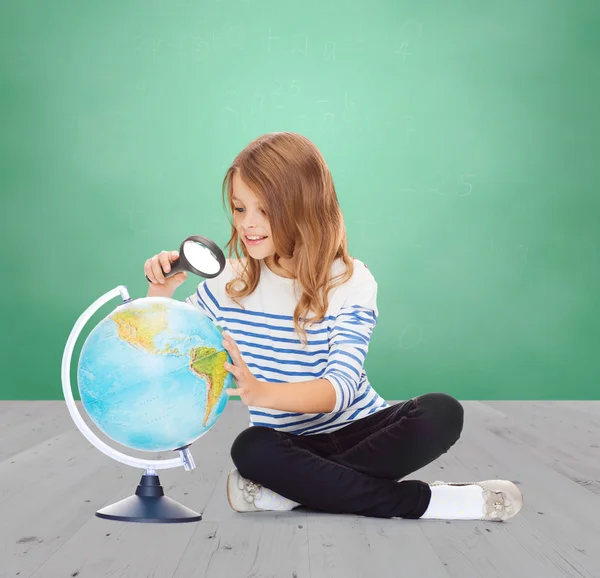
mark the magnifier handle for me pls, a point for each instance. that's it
(176, 267)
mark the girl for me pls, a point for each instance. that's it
(298, 313)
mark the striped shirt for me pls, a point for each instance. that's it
(268, 343)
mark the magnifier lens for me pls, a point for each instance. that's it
(200, 257)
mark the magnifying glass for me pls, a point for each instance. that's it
(200, 256)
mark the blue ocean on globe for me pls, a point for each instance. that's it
(151, 374)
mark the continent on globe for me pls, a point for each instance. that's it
(141, 335)
(208, 364)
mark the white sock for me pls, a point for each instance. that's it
(269, 500)
(456, 503)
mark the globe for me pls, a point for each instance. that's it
(151, 374)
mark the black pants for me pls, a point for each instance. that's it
(355, 470)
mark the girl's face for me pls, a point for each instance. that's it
(250, 220)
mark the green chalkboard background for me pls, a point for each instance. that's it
(463, 138)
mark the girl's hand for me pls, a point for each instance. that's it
(154, 267)
(248, 387)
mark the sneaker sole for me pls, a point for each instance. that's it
(228, 496)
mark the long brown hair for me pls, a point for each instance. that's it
(292, 181)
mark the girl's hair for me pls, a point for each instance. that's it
(290, 178)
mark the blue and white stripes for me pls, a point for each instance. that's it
(348, 345)
(336, 349)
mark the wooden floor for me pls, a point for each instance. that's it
(52, 481)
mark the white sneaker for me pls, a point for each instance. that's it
(503, 499)
(247, 496)
(242, 493)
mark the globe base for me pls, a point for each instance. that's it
(149, 504)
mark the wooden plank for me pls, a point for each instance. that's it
(52, 530)
(535, 552)
(589, 407)
(107, 548)
(11, 406)
(145, 545)
(53, 501)
(355, 547)
(468, 553)
(474, 548)
(576, 425)
(270, 547)
(63, 458)
(42, 466)
(26, 424)
(564, 438)
(565, 516)
(52, 525)
(15, 412)
(350, 546)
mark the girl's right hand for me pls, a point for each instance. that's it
(154, 267)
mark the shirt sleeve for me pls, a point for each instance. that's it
(205, 300)
(349, 339)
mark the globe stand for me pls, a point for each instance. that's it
(149, 504)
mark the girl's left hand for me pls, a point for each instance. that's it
(248, 387)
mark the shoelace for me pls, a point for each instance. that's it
(251, 490)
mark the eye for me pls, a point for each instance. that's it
(239, 209)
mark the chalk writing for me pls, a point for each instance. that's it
(301, 44)
(465, 186)
(403, 50)
(270, 40)
(412, 29)
(330, 51)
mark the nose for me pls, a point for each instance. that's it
(249, 220)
